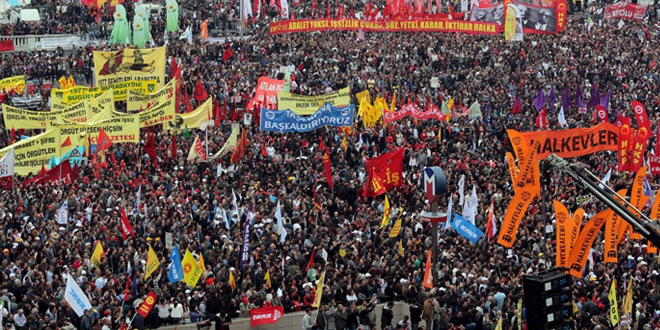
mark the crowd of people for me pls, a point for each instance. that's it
(477, 284)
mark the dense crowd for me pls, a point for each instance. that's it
(478, 284)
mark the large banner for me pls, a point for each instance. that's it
(162, 113)
(120, 130)
(15, 84)
(387, 168)
(625, 10)
(287, 121)
(195, 119)
(129, 64)
(61, 98)
(18, 118)
(575, 142)
(137, 101)
(411, 109)
(513, 24)
(266, 93)
(429, 25)
(32, 153)
(307, 105)
(537, 19)
(490, 14)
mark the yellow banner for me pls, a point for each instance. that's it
(136, 101)
(125, 129)
(307, 105)
(63, 97)
(16, 84)
(128, 64)
(32, 153)
(101, 108)
(18, 118)
(193, 119)
(162, 113)
(614, 304)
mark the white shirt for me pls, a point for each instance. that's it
(19, 320)
(100, 282)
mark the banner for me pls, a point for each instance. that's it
(266, 94)
(307, 105)
(611, 232)
(582, 247)
(514, 214)
(60, 174)
(411, 109)
(286, 121)
(191, 270)
(490, 14)
(65, 97)
(15, 84)
(625, 10)
(245, 249)
(513, 24)
(513, 169)
(164, 112)
(624, 145)
(388, 168)
(125, 129)
(537, 19)
(654, 164)
(639, 149)
(147, 304)
(18, 118)
(7, 45)
(466, 229)
(202, 115)
(427, 25)
(265, 315)
(129, 64)
(575, 142)
(101, 108)
(75, 297)
(32, 153)
(136, 101)
(564, 227)
(614, 304)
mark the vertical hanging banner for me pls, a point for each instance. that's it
(582, 247)
(639, 148)
(147, 304)
(611, 231)
(537, 19)
(514, 214)
(624, 145)
(564, 224)
(129, 64)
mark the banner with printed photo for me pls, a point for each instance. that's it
(32, 153)
(537, 19)
(136, 101)
(61, 98)
(490, 14)
(307, 105)
(15, 84)
(129, 64)
(286, 121)
(513, 24)
(194, 119)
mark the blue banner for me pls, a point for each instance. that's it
(466, 229)
(175, 270)
(285, 121)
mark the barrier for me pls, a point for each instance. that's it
(47, 41)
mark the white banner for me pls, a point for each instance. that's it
(76, 298)
(63, 213)
(7, 164)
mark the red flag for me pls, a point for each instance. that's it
(352, 13)
(150, 149)
(216, 112)
(103, 142)
(340, 12)
(321, 145)
(314, 5)
(240, 149)
(491, 227)
(12, 136)
(327, 167)
(227, 54)
(541, 120)
(327, 14)
(657, 139)
(127, 290)
(640, 115)
(601, 112)
(173, 147)
(199, 92)
(147, 304)
(311, 260)
(374, 186)
(125, 226)
(385, 172)
(516, 106)
(186, 100)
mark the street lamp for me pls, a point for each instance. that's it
(434, 182)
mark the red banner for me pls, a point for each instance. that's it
(147, 304)
(7, 182)
(265, 315)
(640, 115)
(639, 149)
(266, 94)
(654, 162)
(60, 174)
(387, 168)
(624, 144)
(429, 25)
(7, 45)
(624, 10)
(411, 109)
(543, 19)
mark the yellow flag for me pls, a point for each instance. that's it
(344, 144)
(232, 282)
(201, 262)
(363, 95)
(63, 83)
(499, 324)
(97, 255)
(394, 232)
(400, 248)
(627, 303)
(392, 104)
(191, 270)
(440, 134)
(267, 278)
(614, 308)
(386, 213)
(152, 263)
(71, 82)
(319, 291)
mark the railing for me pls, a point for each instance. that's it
(47, 41)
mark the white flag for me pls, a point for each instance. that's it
(226, 220)
(448, 222)
(63, 213)
(137, 202)
(605, 179)
(282, 232)
(474, 203)
(285, 9)
(461, 187)
(561, 119)
(278, 216)
(236, 211)
(7, 164)
(247, 9)
(75, 296)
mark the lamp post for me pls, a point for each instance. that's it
(434, 182)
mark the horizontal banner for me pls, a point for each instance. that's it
(136, 101)
(64, 97)
(624, 10)
(466, 229)
(265, 315)
(32, 153)
(411, 109)
(161, 113)
(18, 118)
(60, 174)
(287, 121)
(16, 84)
(575, 142)
(307, 105)
(437, 25)
(123, 129)
(129, 64)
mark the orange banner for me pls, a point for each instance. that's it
(637, 197)
(578, 215)
(427, 25)
(513, 169)
(611, 231)
(514, 214)
(564, 223)
(655, 211)
(575, 142)
(530, 173)
(579, 255)
(428, 277)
